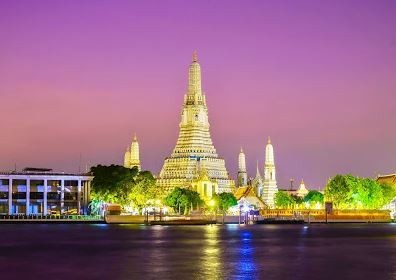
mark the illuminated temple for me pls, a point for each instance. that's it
(131, 157)
(194, 147)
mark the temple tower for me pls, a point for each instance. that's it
(258, 182)
(242, 174)
(302, 190)
(269, 183)
(194, 143)
(132, 156)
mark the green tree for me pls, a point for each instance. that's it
(349, 192)
(143, 191)
(181, 199)
(224, 201)
(124, 186)
(388, 193)
(112, 183)
(283, 200)
(314, 197)
(338, 191)
(95, 206)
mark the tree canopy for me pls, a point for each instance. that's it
(124, 186)
(182, 199)
(349, 192)
(284, 200)
(314, 197)
(225, 201)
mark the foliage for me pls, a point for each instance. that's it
(224, 201)
(388, 193)
(284, 200)
(95, 206)
(314, 197)
(349, 192)
(144, 190)
(112, 183)
(124, 186)
(182, 199)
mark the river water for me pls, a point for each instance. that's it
(338, 251)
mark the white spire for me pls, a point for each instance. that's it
(258, 175)
(242, 161)
(194, 94)
(269, 153)
(127, 157)
(242, 175)
(135, 154)
(269, 184)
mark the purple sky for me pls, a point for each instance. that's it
(318, 77)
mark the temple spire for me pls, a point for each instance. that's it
(258, 171)
(194, 94)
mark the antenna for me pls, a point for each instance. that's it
(79, 164)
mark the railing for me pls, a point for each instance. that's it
(51, 217)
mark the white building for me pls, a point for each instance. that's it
(42, 191)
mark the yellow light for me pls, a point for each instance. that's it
(212, 203)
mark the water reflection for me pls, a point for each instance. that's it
(246, 264)
(210, 260)
(200, 252)
(157, 254)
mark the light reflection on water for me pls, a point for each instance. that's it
(246, 262)
(210, 260)
(199, 252)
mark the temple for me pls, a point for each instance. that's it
(269, 183)
(242, 175)
(194, 145)
(132, 157)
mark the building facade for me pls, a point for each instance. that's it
(205, 186)
(194, 143)
(43, 192)
(132, 155)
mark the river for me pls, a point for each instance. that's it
(67, 251)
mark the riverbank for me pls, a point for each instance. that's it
(181, 220)
(51, 219)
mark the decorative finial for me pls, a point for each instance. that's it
(302, 182)
(269, 140)
(241, 150)
(195, 56)
(134, 137)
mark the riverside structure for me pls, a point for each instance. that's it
(194, 147)
(38, 191)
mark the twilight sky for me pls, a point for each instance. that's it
(319, 77)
